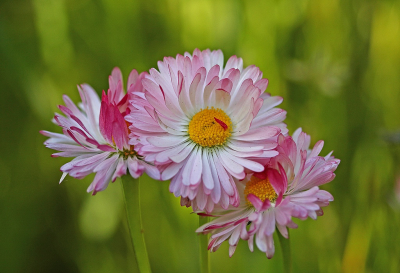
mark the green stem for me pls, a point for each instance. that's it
(131, 190)
(203, 243)
(285, 246)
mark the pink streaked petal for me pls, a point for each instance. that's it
(271, 117)
(244, 125)
(253, 216)
(120, 169)
(270, 103)
(261, 242)
(222, 98)
(232, 249)
(92, 160)
(211, 243)
(207, 176)
(183, 154)
(234, 76)
(106, 118)
(324, 196)
(104, 174)
(266, 205)
(105, 164)
(196, 168)
(233, 62)
(257, 106)
(244, 154)
(317, 148)
(283, 230)
(225, 85)
(251, 243)
(74, 138)
(244, 146)
(233, 240)
(213, 72)
(106, 148)
(267, 154)
(270, 247)
(151, 170)
(311, 192)
(119, 130)
(276, 180)
(133, 77)
(262, 85)
(91, 102)
(255, 201)
(55, 137)
(223, 177)
(171, 170)
(242, 105)
(115, 82)
(231, 166)
(259, 133)
(268, 223)
(174, 79)
(216, 192)
(199, 96)
(284, 178)
(184, 98)
(164, 155)
(167, 128)
(239, 92)
(209, 93)
(251, 165)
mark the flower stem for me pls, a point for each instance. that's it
(285, 246)
(203, 243)
(131, 189)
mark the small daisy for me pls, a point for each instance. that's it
(288, 187)
(204, 124)
(96, 135)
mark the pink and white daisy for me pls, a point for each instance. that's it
(288, 187)
(96, 135)
(204, 124)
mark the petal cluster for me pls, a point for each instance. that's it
(205, 125)
(213, 132)
(96, 135)
(295, 175)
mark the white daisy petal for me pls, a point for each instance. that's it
(193, 113)
(269, 199)
(96, 135)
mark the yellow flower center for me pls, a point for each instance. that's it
(210, 127)
(261, 188)
(125, 154)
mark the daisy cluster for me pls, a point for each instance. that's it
(213, 132)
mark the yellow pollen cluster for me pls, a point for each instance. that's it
(210, 127)
(128, 153)
(261, 188)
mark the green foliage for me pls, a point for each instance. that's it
(336, 63)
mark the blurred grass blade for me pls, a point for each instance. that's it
(131, 188)
(285, 246)
(203, 243)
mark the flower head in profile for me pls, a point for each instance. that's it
(204, 124)
(288, 187)
(96, 135)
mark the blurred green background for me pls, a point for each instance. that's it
(335, 62)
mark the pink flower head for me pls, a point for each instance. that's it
(288, 187)
(96, 135)
(204, 124)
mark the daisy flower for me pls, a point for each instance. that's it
(288, 187)
(204, 124)
(96, 135)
